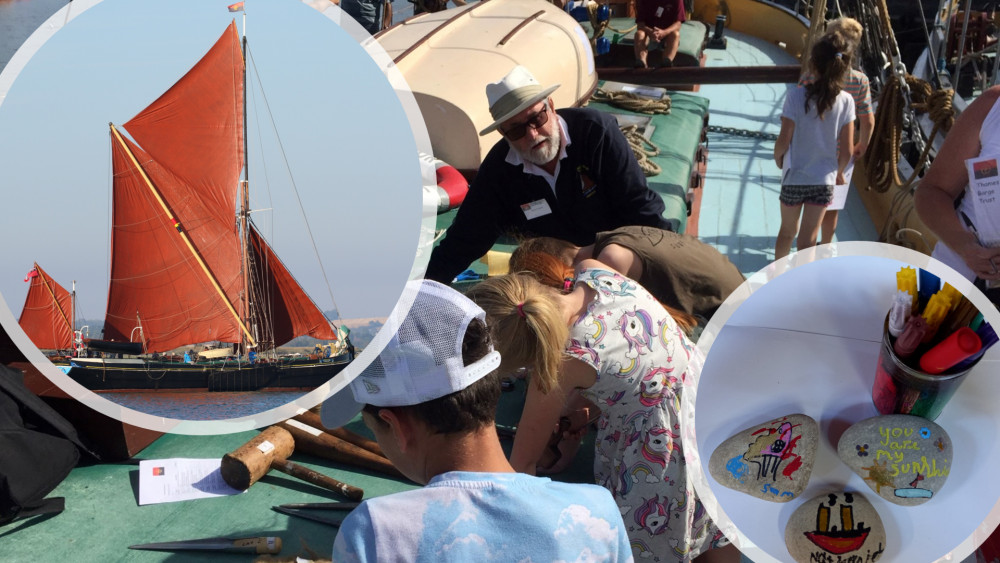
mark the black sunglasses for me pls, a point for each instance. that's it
(535, 121)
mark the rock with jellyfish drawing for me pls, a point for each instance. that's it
(771, 460)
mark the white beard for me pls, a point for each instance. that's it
(545, 153)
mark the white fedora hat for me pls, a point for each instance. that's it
(516, 92)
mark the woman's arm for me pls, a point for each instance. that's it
(784, 140)
(947, 178)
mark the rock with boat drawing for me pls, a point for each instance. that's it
(841, 526)
(905, 459)
(771, 460)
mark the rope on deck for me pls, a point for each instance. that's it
(633, 102)
(642, 147)
(642, 154)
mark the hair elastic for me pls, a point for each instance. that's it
(839, 55)
(568, 284)
(520, 310)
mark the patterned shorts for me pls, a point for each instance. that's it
(814, 195)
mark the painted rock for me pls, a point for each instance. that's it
(835, 527)
(772, 460)
(905, 459)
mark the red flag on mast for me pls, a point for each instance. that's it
(237, 7)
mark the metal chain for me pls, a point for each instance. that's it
(743, 133)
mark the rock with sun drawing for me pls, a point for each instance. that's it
(835, 527)
(905, 459)
(772, 460)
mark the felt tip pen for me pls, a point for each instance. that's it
(929, 285)
(906, 280)
(958, 346)
(900, 313)
(909, 340)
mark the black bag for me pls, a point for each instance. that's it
(38, 448)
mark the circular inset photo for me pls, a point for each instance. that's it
(215, 209)
(841, 377)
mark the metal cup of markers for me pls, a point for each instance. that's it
(901, 389)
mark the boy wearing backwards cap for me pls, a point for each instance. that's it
(430, 398)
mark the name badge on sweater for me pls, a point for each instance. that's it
(536, 209)
(659, 11)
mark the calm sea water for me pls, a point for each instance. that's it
(202, 406)
(19, 19)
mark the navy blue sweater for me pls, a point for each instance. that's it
(600, 187)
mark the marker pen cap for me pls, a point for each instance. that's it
(958, 346)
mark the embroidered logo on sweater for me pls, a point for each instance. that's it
(587, 186)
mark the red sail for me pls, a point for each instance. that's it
(47, 317)
(195, 129)
(176, 258)
(292, 312)
(156, 281)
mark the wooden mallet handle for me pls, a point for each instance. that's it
(312, 419)
(310, 476)
(314, 441)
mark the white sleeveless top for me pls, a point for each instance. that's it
(989, 141)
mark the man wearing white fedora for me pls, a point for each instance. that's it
(567, 174)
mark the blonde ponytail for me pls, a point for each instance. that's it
(526, 325)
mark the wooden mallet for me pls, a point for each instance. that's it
(268, 450)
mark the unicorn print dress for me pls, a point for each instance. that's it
(642, 358)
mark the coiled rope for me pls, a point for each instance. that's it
(643, 149)
(882, 158)
(633, 102)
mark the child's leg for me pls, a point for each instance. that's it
(812, 215)
(786, 233)
(829, 225)
(640, 42)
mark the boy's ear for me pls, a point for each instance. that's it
(403, 427)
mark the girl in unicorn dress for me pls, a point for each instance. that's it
(608, 338)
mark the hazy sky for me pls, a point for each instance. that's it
(342, 129)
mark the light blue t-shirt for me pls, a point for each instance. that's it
(463, 516)
(812, 156)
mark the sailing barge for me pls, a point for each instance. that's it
(187, 263)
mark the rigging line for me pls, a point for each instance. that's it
(927, 35)
(961, 43)
(266, 310)
(298, 199)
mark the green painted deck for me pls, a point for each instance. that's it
(103, 517)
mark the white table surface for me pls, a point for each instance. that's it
(807, 341)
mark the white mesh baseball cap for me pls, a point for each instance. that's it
(423, 359)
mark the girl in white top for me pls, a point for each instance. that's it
(969, 231)
(815, 142)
